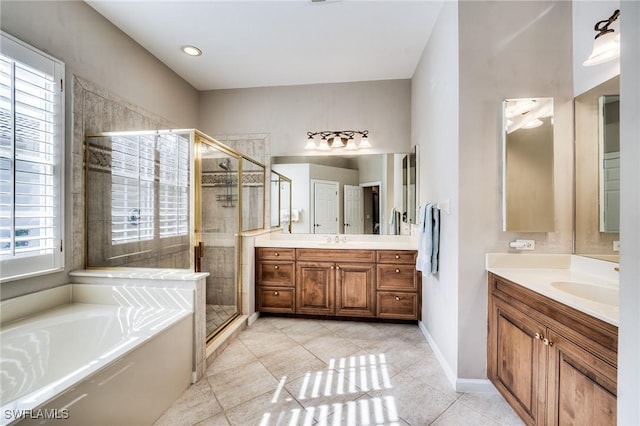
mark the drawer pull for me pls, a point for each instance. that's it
(397, 256)
(275, 293)
(276, 254)
(397, 297)
(276, 267)
(397, 271)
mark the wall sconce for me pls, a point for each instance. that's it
(606, 46)
(337, 139)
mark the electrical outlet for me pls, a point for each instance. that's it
(616, 246)
(523, 244)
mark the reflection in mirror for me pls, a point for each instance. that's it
(253, 177)
(527, 192)
(597, 180)
(280, 201)
(275, 199)
(609, 138)
(344, 194)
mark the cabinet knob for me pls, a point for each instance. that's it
(397, 297)
(276, 267)
(397, 256)
(539, 336)
(276, 254)
(275, 293)
(547, 342)
(397, 271)
(333, 267)
(337, 266)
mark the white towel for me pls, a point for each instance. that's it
(394, 222)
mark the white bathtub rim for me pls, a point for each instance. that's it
(52, 390)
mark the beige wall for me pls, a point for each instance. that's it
(503, 46)
(97, 51)
(288, 113)
(435, 128)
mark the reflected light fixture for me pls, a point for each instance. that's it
(336, 139)
(606, 46)
(191, 50)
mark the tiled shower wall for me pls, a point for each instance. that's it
(97, 110)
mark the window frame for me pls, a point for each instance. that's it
(15, 268)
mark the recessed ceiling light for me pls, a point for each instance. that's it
(191, 50)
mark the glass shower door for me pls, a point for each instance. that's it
(217, 227)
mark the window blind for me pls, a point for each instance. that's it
(173, 197)
(31, 121)
(132, 188)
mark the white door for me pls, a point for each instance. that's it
(353, 210)
(325, 207)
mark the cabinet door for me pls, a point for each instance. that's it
(581, 387)
(315, 290)
(355, 289)
(517, 360)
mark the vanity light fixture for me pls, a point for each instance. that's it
(606, 45)
(335, 139)
(191, 50)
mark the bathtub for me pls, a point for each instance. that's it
(122, 360)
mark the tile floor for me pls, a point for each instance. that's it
(284, 371)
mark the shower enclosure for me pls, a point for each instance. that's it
(173, 199)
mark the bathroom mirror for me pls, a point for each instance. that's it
(360, 192)
(527, 167)
(597, 173)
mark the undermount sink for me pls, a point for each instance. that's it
(595, 293)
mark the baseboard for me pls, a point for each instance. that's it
(458, 384)
(475, 386)
(253, 318)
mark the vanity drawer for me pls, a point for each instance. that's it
(336, 255)
(276, 253)
(397, 256)
(276, 299)
(273, 272)
(396, 277)
(397, 305)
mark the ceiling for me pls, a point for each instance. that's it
(279, 43)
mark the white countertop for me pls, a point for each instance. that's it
(353, 242)
(538, 272)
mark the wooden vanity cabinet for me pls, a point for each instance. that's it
(553, 364)
(336, 282)
(275, 280)
(397, 294)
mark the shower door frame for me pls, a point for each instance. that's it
(197, 221)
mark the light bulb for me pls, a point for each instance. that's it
(364, 142)
(311, 144)
(324, 145)
(605, 48)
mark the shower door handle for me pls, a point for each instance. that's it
(198, 252)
